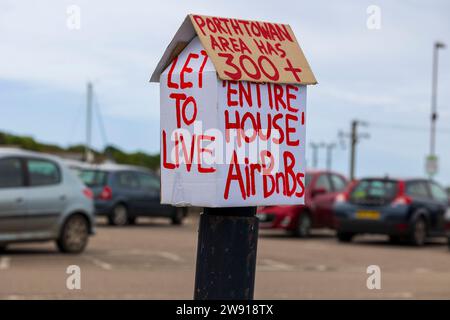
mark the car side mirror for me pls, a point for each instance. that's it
(318, 191)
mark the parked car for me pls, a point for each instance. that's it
(123, 193)
(408, 209)
(322, 187)
(41, 199)
(77, 166)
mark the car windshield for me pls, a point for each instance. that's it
(374, 190)
(93, 178)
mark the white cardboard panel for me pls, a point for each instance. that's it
(183, 187)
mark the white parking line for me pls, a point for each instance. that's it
(99, 263)
(170, 256)
(422, 270)
(5, 263)
(321, 267)
(272, 265)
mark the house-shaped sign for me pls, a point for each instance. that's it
(233, 111)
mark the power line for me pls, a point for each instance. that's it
(402, 127)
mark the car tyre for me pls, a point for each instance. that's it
(345, 236)
(303, 226)
(178, 216)
(418, 233)
(119, 215)
(74, 235)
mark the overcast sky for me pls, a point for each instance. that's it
(382, 76)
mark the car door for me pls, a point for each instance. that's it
(46, 195)
(151, 194)
(127, 185)
(12, 202)
(437, 218)
(322, 197)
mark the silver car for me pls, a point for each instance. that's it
(41, 199)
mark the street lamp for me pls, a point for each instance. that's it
(434, 80)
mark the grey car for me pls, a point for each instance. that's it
(123, 193)
(42, 200)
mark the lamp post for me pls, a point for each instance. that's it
(434, 115)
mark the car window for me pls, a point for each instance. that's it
(10, 173)
(128, 180)
(42, 172)
(338, 182)
(417, 189)
(94, 178)
(438, 193)
(147, 181)
(374, 190)
(323, 182)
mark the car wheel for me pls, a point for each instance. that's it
(74, 235)
(178, 216)
(118, 216)
(303, 227)
(418, 232)
(345, 236)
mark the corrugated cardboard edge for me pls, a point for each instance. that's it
(186, 33)
(181, 39)
(306, 60)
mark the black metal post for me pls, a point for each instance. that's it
(226, 254)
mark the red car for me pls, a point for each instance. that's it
(322, 187)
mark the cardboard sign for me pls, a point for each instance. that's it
(252, 50)
(224, 142)
(243, 50)
(229, 143)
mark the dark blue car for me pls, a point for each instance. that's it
(410, 209)
(123, 193)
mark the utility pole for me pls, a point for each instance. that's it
(354, 139)
(87, 149)
(315, 159)
(434, 87)
(329, 147)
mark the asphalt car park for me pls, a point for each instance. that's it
(156, 260)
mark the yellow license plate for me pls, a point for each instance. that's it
(370, 215)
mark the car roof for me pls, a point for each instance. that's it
(395, 178)
(113, 167)
(77, 164)
(320, 171)
(17, 152)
